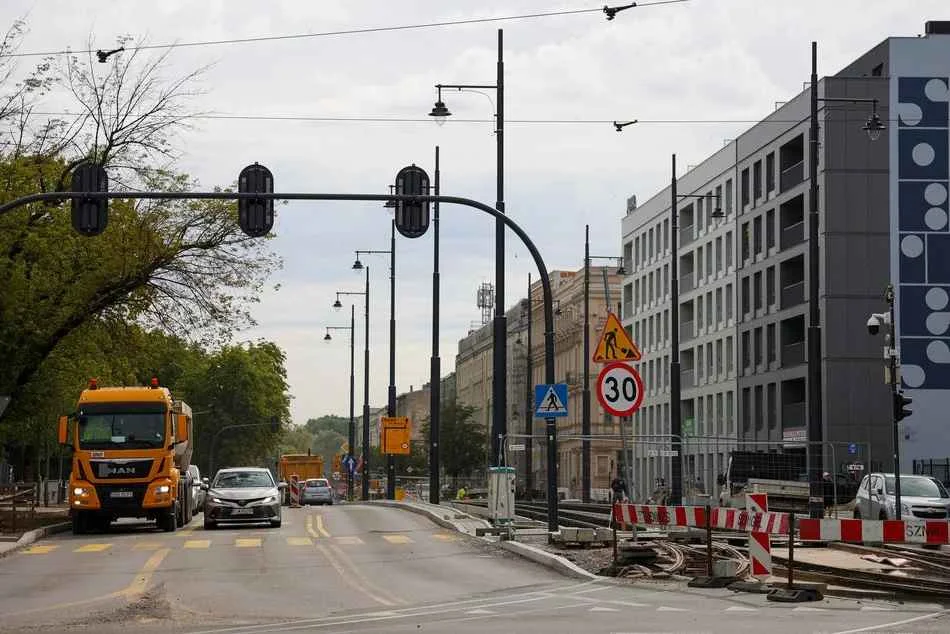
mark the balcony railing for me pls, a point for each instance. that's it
(793, 354)
(792, 235)
(687, 234)
(793, 295)
(792, 176)
(687, 330)
(793, 415)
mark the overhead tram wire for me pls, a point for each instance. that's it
(359, 31)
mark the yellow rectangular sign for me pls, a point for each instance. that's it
(396, 432)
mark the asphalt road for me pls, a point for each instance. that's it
(365, 568)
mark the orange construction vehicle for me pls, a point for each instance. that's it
(304, 466)
(131, 453)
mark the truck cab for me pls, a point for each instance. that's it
(131, 452)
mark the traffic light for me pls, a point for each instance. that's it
(274, 424)
(900, 406)
(412, 218)
(90, 215)
(256, 215)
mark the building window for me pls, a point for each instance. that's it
(770, 173)
(700, 216)
(745, 187)
(746, 299)
(729, 301)
(757, 346)
(770, 342)
(771, 406)
(709, 260)
(666, 280)
(700, 366)
(710, 365)
(757, 290)
(699, 311)
(728, 249)
(757, 180)
(666, 325)
(746, 409)
(770, 286)
(666, 236)
(746, 349)
(719, 305)
(728, 196)
(709, 309)
(699, 263)
(730, 412)
(759, 419)
(719, 363)
(769, 229)
(757, 234)
(718, 255)
(746, 238)
(650, 243)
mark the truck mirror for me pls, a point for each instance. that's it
(63, 429)
(181, 430)
(879, 491)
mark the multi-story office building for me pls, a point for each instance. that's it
(744, 276)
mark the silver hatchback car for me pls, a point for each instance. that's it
(242, 494)
(316, 491)
(922, 497)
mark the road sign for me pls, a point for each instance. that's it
(615, 344)
(516, 447)
(550, 400)
(620, 389)
(852, 449)
(856, 467)
(396, 434)
(662, 453)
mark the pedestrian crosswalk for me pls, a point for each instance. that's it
(190, 541)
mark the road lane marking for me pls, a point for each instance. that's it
(600, 608)
(92, 548)
(247, 542)
(740, 608)
(320, 527)
(883, 626)
(349, 540)
(140, 583)
(39, 550)
(198, 543)
(299, 541)
(147, 546)
(398, 539)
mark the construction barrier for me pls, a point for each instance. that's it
(760, 544)
(875, 531)
(294, 491)
(773, 523)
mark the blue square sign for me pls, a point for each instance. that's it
(550, 400)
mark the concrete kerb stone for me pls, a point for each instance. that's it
(446, 518)
(32, 536)
(549, 560)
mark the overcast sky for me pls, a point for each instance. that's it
(713, 63)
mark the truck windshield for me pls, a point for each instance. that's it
(918, 486)
(100, 429)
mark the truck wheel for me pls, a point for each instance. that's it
(168, 521)
(79, 523)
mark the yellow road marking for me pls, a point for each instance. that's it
(252, 542)
(320, 527)
(140, 583)
(188, 531)
(147, 546)
(349, 540)
(310, 529)
(198, 543)
(92, 548)
(39, 550)
(398, 539)
(299, 541)
(445, 537)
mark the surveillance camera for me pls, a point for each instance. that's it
(876, 320)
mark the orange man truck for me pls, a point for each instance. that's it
(304, 466)
(131, 452)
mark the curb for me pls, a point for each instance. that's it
(444, 520)
(549, 560)
(35, 535)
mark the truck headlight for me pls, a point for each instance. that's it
(164, 488)
(80, 492)
(269, 500)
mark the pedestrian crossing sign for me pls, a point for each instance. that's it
(615, 344)
(550, 400)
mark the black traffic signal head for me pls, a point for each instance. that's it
(412, 218)
(256, 215)
(900, 406)
(90, 215)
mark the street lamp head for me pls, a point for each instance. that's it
(621, 270)
(357, 265)
(874, 127)
(327, 336)
(337, 304)
(717, 213)
(440, 112)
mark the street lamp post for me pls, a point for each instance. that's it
(351, 429)
(435, 364)
(874, 127)
(391, 400)
(585, 415)
(364, 471)
(499, 331)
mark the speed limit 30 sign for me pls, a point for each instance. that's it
(620, 389)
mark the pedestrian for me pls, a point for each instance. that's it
(460, 494)
(619, 488)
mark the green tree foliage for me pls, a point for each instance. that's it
(463, 442)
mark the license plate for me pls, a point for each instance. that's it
(242, 511)
(120, 494)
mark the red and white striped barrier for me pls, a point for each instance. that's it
(875, 531)
(294, 491)
(760, 544)
(695, 516)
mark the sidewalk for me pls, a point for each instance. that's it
(442, 515)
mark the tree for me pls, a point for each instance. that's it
(463, 442)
